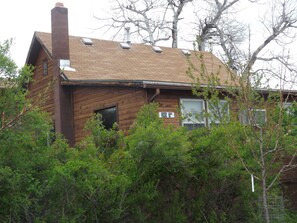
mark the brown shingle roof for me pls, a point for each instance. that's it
(107, 61)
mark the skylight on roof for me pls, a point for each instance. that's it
(87, 41)
(157, 49)
(186, 52)
(125, 46)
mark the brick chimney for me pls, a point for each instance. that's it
(62, 95)
(60, 36)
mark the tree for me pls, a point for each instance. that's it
(209, 26)
(23, 135)
(144, 17)
(219, 27)
(177, 7)
(229, 39)
(148, 19)
(14, 83)
(266, 142)
(283, 22)
(180, 176)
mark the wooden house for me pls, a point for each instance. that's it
(78, 77)
(112, 78)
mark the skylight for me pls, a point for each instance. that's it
(125, 46)
(157, 49)
(87, 41)
(186, 52)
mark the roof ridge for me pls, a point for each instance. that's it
(116, 41)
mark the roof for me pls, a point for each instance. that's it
(107, 61)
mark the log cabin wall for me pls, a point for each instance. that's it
(86, 100)
(42, 84)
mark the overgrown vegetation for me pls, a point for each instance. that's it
(156, 174)
(260, 126)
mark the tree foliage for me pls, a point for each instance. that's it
(157, 173)
(264, 143)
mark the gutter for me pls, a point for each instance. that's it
(152, 84)
(131, 83)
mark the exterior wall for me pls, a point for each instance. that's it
(290, 194)
(289, 184)
(86, 100)
(40, 89)
(169, 101)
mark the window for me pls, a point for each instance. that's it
(45, 67)
(109, 116)
(287, 106)
(193, 113)
(217, 112)
(255, 117)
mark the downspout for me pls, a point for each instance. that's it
(155, 95)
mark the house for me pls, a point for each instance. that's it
(82, 76)
(112, 78)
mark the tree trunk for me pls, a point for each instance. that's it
(174, 33)
(264, 190)
(264, 197)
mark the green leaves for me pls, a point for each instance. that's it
(7, 66)
(155, 174)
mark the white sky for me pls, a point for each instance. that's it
(20, 18)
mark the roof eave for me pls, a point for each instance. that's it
(35, 46)
(155, 84)
(134, 83)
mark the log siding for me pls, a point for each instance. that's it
(86, 100)
(42, 84)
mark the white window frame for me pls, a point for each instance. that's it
(186, 121)
(209, 111)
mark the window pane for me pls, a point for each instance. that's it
(243, 117)
(109, 116)
(288, 108)
(258, 117)
(193, 125)
(193, 113)
(287, 105)
(218, 111)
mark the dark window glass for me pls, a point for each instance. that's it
(193, 126)
(109, 116)
(45, 67)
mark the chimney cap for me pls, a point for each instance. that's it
(59, 4)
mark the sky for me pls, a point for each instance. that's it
(20, 18)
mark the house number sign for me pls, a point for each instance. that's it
(166, 114)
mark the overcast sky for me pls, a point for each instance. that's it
(20, 18)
